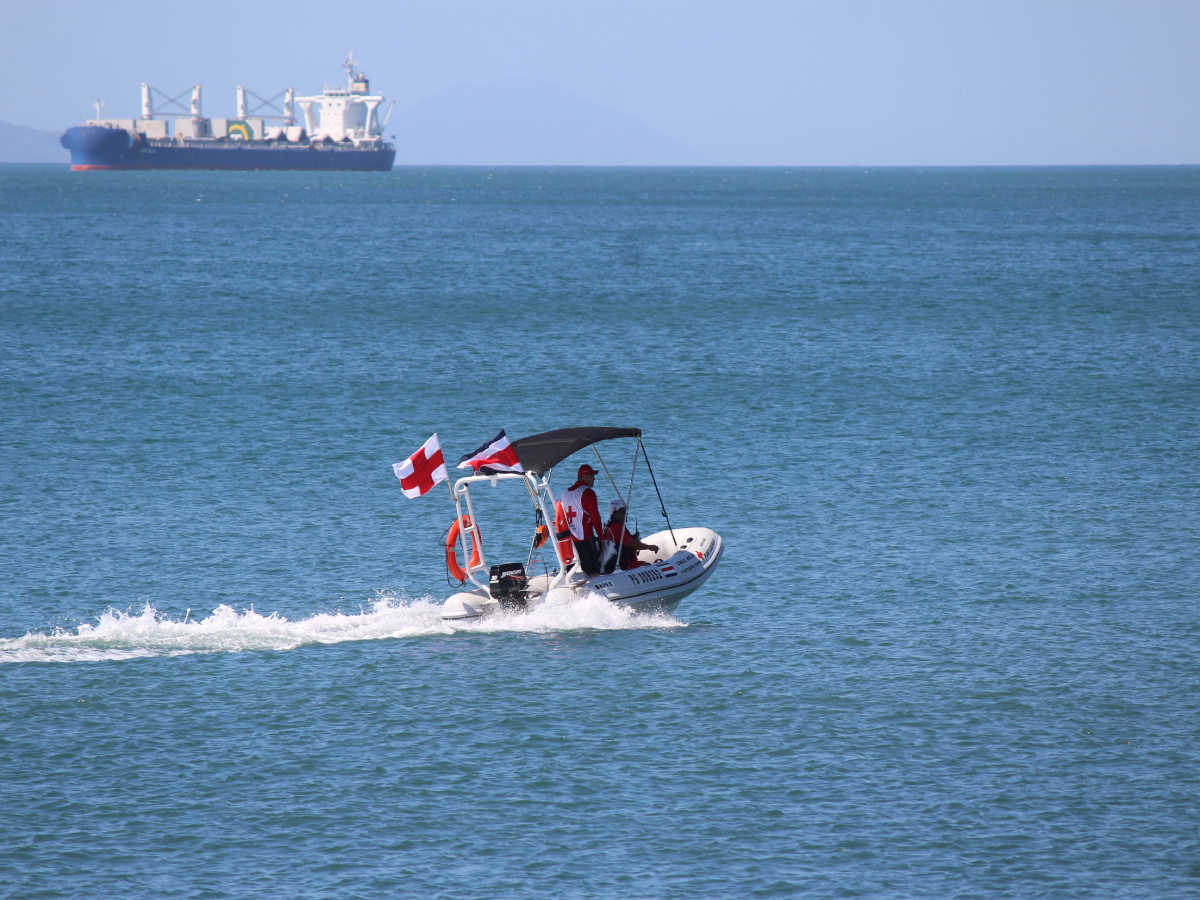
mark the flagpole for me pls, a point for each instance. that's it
(453, 499)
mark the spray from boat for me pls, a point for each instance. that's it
(148, 633)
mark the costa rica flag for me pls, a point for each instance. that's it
(497, 455)
(421, 471)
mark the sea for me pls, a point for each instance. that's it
(946, 421)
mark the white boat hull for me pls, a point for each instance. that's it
(681, 565)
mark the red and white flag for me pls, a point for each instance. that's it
(497, 455)
(421, 471)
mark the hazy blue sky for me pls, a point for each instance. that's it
(740, 82)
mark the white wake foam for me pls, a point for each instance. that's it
(120, 635)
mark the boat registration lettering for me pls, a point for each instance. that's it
(645, 576)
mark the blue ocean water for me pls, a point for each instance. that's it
(945, 420)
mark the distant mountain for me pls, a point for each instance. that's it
(523, 123)
(19, 144)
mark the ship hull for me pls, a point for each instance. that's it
(97, 147)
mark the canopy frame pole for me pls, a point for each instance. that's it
(627, 500)
(617, 491)
(608, 475)
(663, 505)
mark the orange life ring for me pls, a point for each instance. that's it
(541, 534)
(562, 533)
(456, 571)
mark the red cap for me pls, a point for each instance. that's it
(585, 469)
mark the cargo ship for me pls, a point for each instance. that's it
(341, 131)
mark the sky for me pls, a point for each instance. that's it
(742, 82)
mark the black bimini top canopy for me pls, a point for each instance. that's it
(540, 453)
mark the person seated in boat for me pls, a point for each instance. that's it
(627, 541)
(583, 518)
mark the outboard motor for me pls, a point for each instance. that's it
(508, 584)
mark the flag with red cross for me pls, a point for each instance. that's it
(421, 471)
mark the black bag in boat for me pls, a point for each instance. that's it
(508, 584)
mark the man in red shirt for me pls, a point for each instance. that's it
(628, 543)
(583, 517)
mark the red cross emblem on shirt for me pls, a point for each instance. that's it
(571, 515)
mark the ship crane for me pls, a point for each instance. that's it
(276, 109)
(150, 93)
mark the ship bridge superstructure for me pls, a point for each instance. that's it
(345, 114)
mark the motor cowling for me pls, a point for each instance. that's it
(508, 584)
